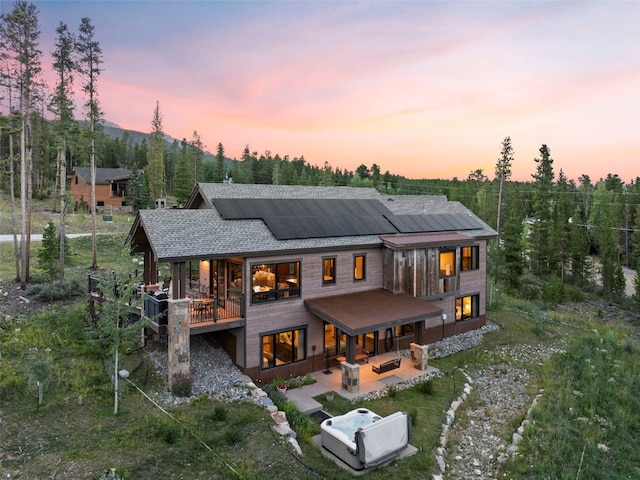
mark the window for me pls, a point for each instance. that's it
(447, 263)
(329, 271)
(100, 203)
(283, 348)
(358, 267)
(274, 281)
(467, 307)
(193, 275)
(403, 330)
(470, 258)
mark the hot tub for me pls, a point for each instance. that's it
(362, 439)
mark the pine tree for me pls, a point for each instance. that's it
(543, 185)
(111, 327)
(48, 254)
(154, 171)
(19, 36)
(503, 172)
(195, 153)
(561, 225)
(220, 169)
(61, 106)
(138, 193)
(88, 64)
(579, 247)
(183, 183)
(635, 242)
(512, 246)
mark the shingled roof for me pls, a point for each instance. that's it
(104, 176)
(202, 233)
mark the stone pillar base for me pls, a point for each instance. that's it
(350, 377)
(178, 338)
(420, 356)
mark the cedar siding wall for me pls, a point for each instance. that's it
(290, 313)
(401, 276)
(417, 272)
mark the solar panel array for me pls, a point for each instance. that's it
(298, 218)
(435, 222)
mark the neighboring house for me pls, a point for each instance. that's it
(292, 279)
(111, 186)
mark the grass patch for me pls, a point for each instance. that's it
(586, 425)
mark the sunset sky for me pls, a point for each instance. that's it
(423, 89)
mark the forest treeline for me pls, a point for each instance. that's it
(563, 231)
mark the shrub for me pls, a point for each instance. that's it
(574, 293)
(182, 386)
(70, 288)
(220, 413)
(553, 291)
(426, 387)
(529, 289)
(233, 436)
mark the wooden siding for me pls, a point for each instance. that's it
(81, 192)
(384, 267)
(290, 313)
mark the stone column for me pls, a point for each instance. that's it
(420, 356)
(178, 339)
(350, 377)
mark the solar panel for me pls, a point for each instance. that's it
(437, 222)
(299, 218)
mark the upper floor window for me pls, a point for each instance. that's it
(283, 348)
(468, 307)
(274, 281)
(359, 267)
(329, 271)
(470, 258)
(447, 263)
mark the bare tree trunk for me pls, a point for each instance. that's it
(54, 191)
(63, 204)
(94, 232)
(12, 176)
(23, 207)
(29, 202)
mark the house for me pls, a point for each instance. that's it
(111, 186)
(293, 279)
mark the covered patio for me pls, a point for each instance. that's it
(374, 310)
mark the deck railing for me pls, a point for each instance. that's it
(201, 310)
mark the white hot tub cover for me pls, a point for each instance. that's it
(384, 439)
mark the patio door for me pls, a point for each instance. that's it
(335, 342)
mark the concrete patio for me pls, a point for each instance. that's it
(369, 381)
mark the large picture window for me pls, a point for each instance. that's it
(283, 348)
(274, 281)
(329, 271)
(447, 263)
(467, 307)
(470, 258)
